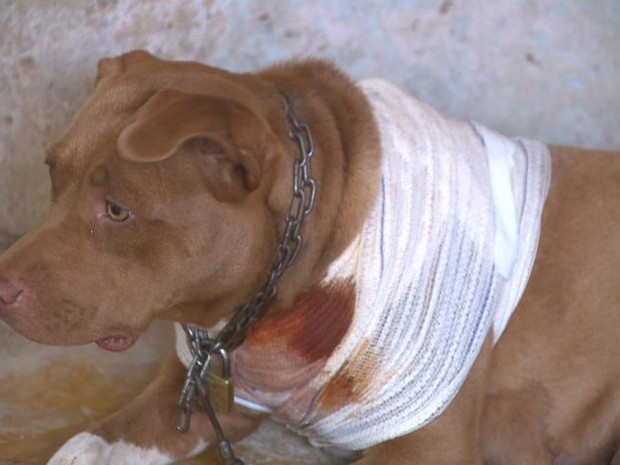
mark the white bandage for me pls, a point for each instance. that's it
(442, 260)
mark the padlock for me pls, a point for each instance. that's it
(221, 387)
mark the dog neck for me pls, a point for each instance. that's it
(347, 166)
(301, 205)
(203, 348)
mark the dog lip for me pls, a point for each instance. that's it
(117, 343)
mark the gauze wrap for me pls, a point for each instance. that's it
(442, 259)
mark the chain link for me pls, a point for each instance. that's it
(201, 345)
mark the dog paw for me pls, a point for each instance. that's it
(88, 449)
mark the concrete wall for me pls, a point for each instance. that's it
(547, 69)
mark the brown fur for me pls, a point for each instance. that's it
(202, 159)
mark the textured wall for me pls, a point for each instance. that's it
(544, 68)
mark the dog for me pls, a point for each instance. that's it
(440, 294)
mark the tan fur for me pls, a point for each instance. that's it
(554, 389)
(202, 159)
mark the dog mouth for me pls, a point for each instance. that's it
(116, 343)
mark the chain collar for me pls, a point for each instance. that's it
(204, 348)
(301, 204)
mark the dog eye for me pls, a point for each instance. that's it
(116, 212)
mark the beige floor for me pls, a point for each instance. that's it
(47, 394)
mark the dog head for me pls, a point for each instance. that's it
(163, 198)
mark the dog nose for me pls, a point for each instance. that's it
(8, 292)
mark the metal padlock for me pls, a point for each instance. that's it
(221, 387)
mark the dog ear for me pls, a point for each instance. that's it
(232, 142)
(108, 67)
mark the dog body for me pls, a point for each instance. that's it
(420, 286)
(173, 185)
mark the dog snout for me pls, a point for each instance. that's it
(8, 292)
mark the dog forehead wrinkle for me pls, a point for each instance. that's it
(99, 176)
(101, 120)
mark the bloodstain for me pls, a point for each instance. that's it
(351, 382)
(286, 350)
(314, 325)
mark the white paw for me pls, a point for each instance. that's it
(88, 449)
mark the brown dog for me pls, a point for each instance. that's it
(170, 194)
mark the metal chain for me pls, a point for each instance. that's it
(301, 204)
(201, 348)
(201, 345)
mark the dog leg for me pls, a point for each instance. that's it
(453, 438)
(145, 430)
